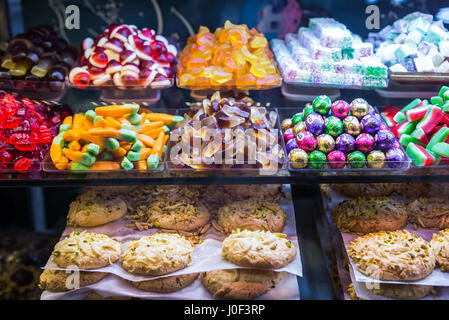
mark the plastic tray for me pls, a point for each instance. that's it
(230, 85)
(420, 77)
(328, 85)
(289, 112)
(42, 90)
(245, 166)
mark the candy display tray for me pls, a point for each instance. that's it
(329, 85)
(289, 112)
(42, 90)
(246, 166)
(420, 77)
(230, 85)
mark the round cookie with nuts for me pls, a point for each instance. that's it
(430, 213)
(440, 246)
(86, 250)
(250, 215)
(157, 254)
(258, 249)
(94, 207)
(56, 280)
(393, 256)
(166, 284)
(365, 215)
(272, 192)
(240, 284)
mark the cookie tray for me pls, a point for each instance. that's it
(289, 112)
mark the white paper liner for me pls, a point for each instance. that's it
(206, 256)
(436, 278)
(286, 289)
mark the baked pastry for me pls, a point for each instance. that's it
(169, 207)
(258, 249)
(430, 213)
(250, 215)
(96, 207)
(86, 251)
(240, 284)
(272, 192)
(56, 280)
(393, 255)
(366, 215)
(157, 254)
(440, 246)
(166, 284)
(396, 291)
(409, 190)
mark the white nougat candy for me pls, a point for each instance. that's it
(405, 50)
(435, 34)
(352, 79)
(444, 67)
(420, 24)
(444, 48)
(400, 38)
(424, 64)
(425, 48)
(388, 52)
(398, 68)
(437, 58)
(362, 49)
(414, 36)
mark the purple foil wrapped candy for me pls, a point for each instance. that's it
(340, 109)
(291, 144)
(394, 157)
(306, 141)
(345, 143)
(315, 123)
(364, 143)
(370, 124)
(385, 139)
(336, 159)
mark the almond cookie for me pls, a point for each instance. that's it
(440, 246)
(86, 251)
(167, 284)
(250, 215)
(157, 254)
(240, 284)
(56, 280)
(409, 190)
(396, 291)
(96, 207)
(430, 213)
(394, 256)
(272, 192)
(258, 249)
(366, 215)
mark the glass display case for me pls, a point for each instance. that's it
(115, 148)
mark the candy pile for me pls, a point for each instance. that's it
(38, 54)
(340, 134)
(414, 43)
(124, 56)
(422, 127)
(231, 56)
(112, 137)
(233, 131)
(26, 131)
(328, 53)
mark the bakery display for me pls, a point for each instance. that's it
(85, 250)
(240, 284)
(327, 54)
(397, 255)
(157, 254)
(366, 215)
(258, 249)
(125, 57)
(234, 56)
